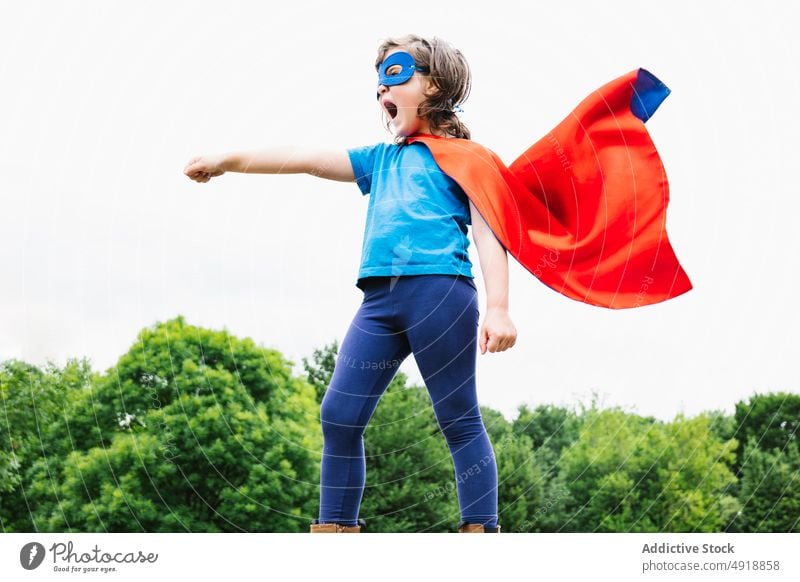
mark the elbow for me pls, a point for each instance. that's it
(486, 239)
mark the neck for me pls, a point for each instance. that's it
(424, 133)
(425, 129)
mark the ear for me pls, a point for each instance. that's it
(428, 88)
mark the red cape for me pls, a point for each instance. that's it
(584, 208)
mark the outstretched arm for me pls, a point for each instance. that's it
(325, 163)
(498, 332)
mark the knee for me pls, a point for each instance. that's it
(340, 418)
(463, 430)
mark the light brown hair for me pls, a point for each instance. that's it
(450, 79)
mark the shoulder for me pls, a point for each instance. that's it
(369, 155)
(369, 148)
(456, 146)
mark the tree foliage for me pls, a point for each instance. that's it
(626, 473)
(196, 430)
(192, 430)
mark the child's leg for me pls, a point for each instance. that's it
(441, 322)
(368, 359)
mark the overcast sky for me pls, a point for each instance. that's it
(101, 234)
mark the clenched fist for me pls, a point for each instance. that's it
(203, 168)
(497, 333)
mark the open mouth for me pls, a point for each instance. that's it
(391, 109)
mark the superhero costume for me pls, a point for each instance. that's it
(584, 208)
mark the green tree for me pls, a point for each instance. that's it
(628, 473)
(723, 425)
(34, 403)
(197, 430)
(770, 490)
(192, 430)
(551, 429)
(319, 368)
(771, 419)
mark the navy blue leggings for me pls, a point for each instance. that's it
(436, 318)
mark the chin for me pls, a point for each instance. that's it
(406, 131)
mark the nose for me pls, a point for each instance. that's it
(381, 90)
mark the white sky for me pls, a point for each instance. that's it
(101, 234)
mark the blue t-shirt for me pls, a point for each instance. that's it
(417, 216)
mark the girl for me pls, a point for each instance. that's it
(416, 277)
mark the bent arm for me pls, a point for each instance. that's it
(325, 163)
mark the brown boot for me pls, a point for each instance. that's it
(317, 527)
(464, 527)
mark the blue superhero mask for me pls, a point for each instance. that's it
(397, 69)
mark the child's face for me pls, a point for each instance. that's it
(400, 102)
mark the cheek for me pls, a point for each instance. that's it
(412, 92)
(413, 99)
